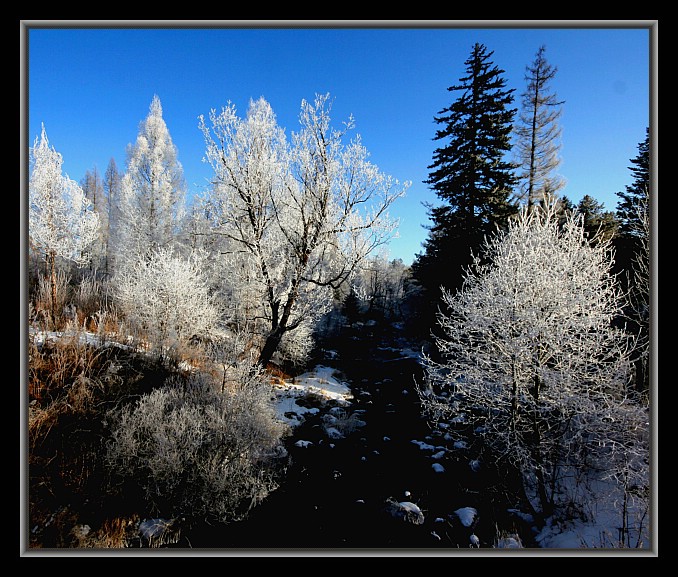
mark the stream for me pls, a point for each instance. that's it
(390, 483)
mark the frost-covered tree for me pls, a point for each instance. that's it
(112, 186)
(61, 219)
(382, 283)
(167, 298)
(152, 191)
(296, 217)
(531, 358)
(538, 133)
(641, 283)
(92, 186)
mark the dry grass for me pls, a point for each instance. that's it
(56, 365)
(76, 392)
(278, 375)
(114, 533)
(70, 386)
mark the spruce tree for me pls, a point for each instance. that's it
(636, 194)
(469, 174)
(633, 256)
(633, 211)
(598, 223)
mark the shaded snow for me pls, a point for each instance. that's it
(467, 515)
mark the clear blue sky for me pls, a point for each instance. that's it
(91, 87)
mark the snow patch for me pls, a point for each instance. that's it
(467, 515)
(320, 381)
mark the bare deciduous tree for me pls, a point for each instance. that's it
(296, 216)
(538, 132)
(531, 356)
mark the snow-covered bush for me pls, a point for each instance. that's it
(198, 451)
(167, 297)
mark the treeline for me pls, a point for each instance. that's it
(480, 191)
(287, 226)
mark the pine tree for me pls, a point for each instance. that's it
(636, 194)
(633, 254)
(351, 307)
(469, 174)
(538, 133)
(598, 223)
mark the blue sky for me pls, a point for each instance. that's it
(91, 87)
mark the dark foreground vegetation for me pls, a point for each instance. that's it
(340, 493)
(72, 387)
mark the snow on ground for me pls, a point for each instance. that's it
(601, 505)
(320, 381)
(323, 382)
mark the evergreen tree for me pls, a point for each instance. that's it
(636, 194)
(633, 213)
(538, 133)
(598, 223)
(633, 255)
(351, 307)
(469, 174)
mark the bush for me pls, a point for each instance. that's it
(197, 451)
(167, 298)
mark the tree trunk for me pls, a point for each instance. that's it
(546, 505)
(537, 452)
(51, 258)
(279, 325)
(271, 345)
